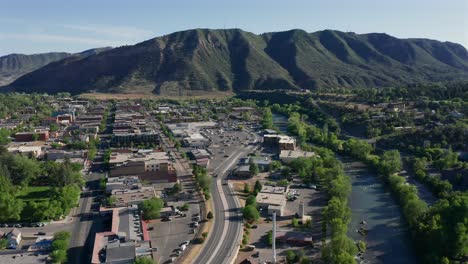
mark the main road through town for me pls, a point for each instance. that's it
(223, 242)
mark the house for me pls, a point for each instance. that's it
(14, 238)
(396, 107)
(456, 114)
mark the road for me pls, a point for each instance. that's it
(224, 238)
(85, 224)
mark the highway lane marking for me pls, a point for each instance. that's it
(224, 202)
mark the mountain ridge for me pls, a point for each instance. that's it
(206, 60)
(14, 65)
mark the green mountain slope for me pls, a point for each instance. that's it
(233, 60)
(13, 66)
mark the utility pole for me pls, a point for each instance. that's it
(274, 237)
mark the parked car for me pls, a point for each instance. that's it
(186, 243)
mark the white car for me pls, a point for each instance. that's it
(183, 247)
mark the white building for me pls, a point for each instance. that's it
(14, 238)
(287, 156)
(272, 199)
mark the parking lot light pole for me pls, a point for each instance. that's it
(274, 237)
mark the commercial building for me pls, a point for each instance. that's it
(294, 237)
(32, 136)
(263, 163)
(128, 190)
(186, 129)
(243, 171)
(135, 136)
(149, 165)
(279, 142)
(287, 156)
(272, 199)
(127, 239)
(196, 140)
(33, 151)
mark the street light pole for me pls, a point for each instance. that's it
(274, 237)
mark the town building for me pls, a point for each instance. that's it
(287, 156)
(272, 199)
(30, 151)
(32, 136)
(127, 239)
(279, 142)
(149, 165)
(14, 238)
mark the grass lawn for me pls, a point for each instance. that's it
(35, 193)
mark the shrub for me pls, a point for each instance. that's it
(209, 215)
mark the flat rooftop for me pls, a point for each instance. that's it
(118, 157)
(273, 189)
(296, 154)
(271, 198)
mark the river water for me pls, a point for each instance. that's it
(387, 238)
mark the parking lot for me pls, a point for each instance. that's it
(167, 236)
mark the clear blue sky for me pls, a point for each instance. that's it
(71, 25)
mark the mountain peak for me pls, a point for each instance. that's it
(200, 60)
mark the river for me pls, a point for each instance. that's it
(387, 238)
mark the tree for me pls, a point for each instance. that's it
(251, 213)
(251, 200)
(274, 165)
(269, 238)
(60, 246)
(59, 256)
(53, 127)
(282, 183)
(267, 121)
(4, 136)
(3, 243)
(176, 188)
(258, 186)
(286, 172)
(390, 162)
(358, 148)
(340, 187)
(10, 207)
(151, 208)
(209, 215)
(111, 200)
(35, 137)
(361, 245)
(290, 257)
(253, 169)
(295, 222)
(246, 187)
